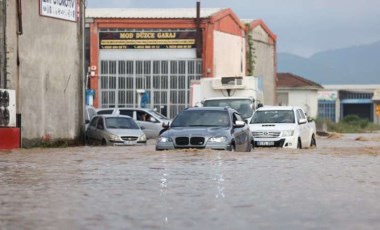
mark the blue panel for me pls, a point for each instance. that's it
(356, 101)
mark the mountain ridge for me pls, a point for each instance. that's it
(351, 65)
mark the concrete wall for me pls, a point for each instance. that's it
(229, 55)
(306, 99)
(265, 63)
(49, 79)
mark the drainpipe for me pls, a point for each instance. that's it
(3, 61)
(19, 32)
(84, 70)
(198, 33)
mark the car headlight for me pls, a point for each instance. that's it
(217, 139)
(142, 138)
(165, 139)
(287, 133)
(114, 137)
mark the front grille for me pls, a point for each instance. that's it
(128, 138)
(182, 140)
(192, 141)
(197, 140)
(265, 134)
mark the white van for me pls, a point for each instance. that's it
(149, 120)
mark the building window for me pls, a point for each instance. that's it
(326, 110)
(166, 83)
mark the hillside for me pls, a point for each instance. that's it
(353, 65)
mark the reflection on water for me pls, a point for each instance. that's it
(335, 186)
(219, 176)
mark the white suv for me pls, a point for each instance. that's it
(149, 120)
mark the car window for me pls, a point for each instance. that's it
(121, 123)
(302, 115)
(126, 112)
(208, 118)
(298, 115)
(273, 116)
(100, 123)
(159, 115)
(90, 112)
(94, 122)
(105, 111)
(243, 106)
(143, 116)
(237, 117)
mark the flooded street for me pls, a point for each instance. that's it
(335, 186)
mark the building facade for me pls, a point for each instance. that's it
(148, 57)
(261, 58)
(293, 90)
(44, 65)
(337, 101)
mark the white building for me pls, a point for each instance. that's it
(293, 90)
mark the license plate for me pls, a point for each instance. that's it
(265, 143)
(129, 142)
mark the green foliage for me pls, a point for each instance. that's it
(250, 52)
(350, 124)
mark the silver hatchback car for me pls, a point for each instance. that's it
(207, 127)
(114, 130)
(149, 120)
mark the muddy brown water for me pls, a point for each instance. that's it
(335, 186)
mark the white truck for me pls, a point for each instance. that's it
(240, 93)
(282, 126)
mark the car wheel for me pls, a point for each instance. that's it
(87, 140)
(104, 142)
(233, 147)
(249, 147)
(313, 142)
(299, 144)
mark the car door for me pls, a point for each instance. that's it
(91, 130)
(240, 134)
(303, 128)
(147, 124)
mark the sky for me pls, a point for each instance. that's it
(303, 27)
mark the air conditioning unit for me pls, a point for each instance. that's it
(7, 108)
(228, 83)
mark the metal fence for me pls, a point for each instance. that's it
(165, 83)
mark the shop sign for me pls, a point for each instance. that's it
(61, 9)
(147, 40)
(327, 95)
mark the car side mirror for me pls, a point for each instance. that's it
(87, 121)
(302, 121)
(166, 125)
(239, 124)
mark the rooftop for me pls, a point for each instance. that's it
(288, 80)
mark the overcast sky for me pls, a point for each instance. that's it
(303, 27)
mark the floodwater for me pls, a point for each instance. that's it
(335, 186)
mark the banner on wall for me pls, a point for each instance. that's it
(147, 40)
(328, 95)
(60, 9)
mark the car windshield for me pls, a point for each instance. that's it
(243, 106)
(159, 115)
(206, 118)
(121, 123)
(273, 116)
